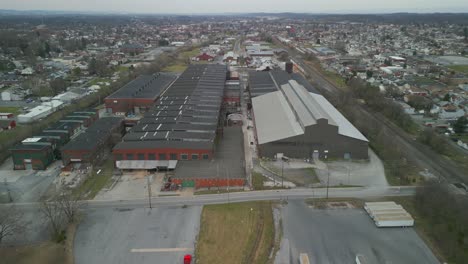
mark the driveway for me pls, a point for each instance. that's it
(338, 235)
(363, 173)
(140, 235)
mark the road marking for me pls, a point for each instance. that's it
(146, 250)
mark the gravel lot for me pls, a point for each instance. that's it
(338, 235)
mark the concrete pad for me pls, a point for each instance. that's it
(133, 186)
(370, 173)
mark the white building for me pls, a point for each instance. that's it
(40, 111)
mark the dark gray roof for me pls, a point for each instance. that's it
(169, 135)
(21, 146)
(141, 127)
(95, 135)
(144, 87)
(186, 115)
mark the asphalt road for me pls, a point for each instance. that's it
(420, 154)
(289, 194)
(338, 235)
(160, 235)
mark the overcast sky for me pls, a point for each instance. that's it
(222, 6)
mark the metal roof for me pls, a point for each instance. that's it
(186, 115)
(269, 81)
(146, 164)
(144, 87)
(274, 118)
(158, 144)
(293, 109)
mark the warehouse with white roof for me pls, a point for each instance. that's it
(302, 124)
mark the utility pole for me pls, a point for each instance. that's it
(328, 180)
(149, 191)
(229, 201)
(282, 173)
(328, 171)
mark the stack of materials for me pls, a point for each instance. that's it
(388, 214)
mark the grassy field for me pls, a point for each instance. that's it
(93, 184)
(10, 109)
(98, 80)
(187, 55)
(459, 68)
(336, 78)
(411, 173)
(43, 253)
(236, 233)
(258, 180)
(180, 67)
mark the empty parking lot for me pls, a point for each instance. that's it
(140, 235)
(338, 235)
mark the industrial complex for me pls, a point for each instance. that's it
(300, 123)
(182, 124)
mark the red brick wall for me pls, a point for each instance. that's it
(205, 183)
(127, 104)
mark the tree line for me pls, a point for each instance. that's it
(447, 218)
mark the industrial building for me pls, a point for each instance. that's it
(88, 146)
(182, 124)
(292, 119)
(33, 153)
(138, 95)
(38, 151)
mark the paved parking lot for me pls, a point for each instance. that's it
(160, 235)
(338, 235)
(25, 185)
(228, 159)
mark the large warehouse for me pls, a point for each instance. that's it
(138, 95)
(300, 123)
(182, 124)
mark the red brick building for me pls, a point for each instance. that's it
(138, 95)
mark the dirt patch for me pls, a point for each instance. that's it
(334, 203)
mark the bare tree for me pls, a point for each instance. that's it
(54, 215)
(70, 205)
(11, 222)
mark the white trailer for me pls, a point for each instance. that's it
(360, 259)
(403, 220)
(388, 214)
